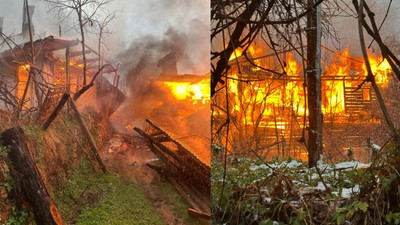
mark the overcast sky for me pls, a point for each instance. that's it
(140, 19)
(135, 20)
(347, 27)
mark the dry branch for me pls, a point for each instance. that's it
(86, 87)
(56, 111)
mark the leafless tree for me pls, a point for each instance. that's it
(374, 31)
(83, 12)
(103, 29)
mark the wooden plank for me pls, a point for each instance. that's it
(88, 135)
(181, 147)
(56, 111)
(162, 151)
(187, 168)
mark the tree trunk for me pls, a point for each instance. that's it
(314, 85)
(28, 180)
(233, 43)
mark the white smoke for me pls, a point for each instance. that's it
(135, 20)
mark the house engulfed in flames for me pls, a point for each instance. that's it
(268, 110)
(59, 66)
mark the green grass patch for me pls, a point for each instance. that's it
(90, 198)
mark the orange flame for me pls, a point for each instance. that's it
(380, 68)
(254, 99)
(197, 92)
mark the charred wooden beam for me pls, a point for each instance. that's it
(56, 111)
(164, 153)
(204, 167)
(161, 170)
(192, 197)
(53, 97)
(26, 175)
(190, 169)
(86, 131)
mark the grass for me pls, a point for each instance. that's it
(177, 203)
(91, 198)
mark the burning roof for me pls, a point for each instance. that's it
(47, 44)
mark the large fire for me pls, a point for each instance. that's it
(195, 92)
(267, 109)
(255, 99)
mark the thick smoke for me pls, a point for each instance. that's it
(135, 20)
(141, 66)
(143, 55)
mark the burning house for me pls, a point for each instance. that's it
(268, 107)
(55, 68)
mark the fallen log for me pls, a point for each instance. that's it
(28, 180)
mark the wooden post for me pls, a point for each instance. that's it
(56, 111)
(86, 131)
(28, 180)
(67, 78)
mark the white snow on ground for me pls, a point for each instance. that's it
(348, 192)
(375, 146)
(256, 167)
(292, 164)
(351, 164)
(321, 186)
(328, 170)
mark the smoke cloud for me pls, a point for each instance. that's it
(135, 21)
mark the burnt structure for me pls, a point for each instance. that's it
(57, 64)
(269, 110)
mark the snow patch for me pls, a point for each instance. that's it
(257, 167)
(351, 164)
(293, 164)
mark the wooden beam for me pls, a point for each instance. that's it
(56, 111)
(88, 135)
